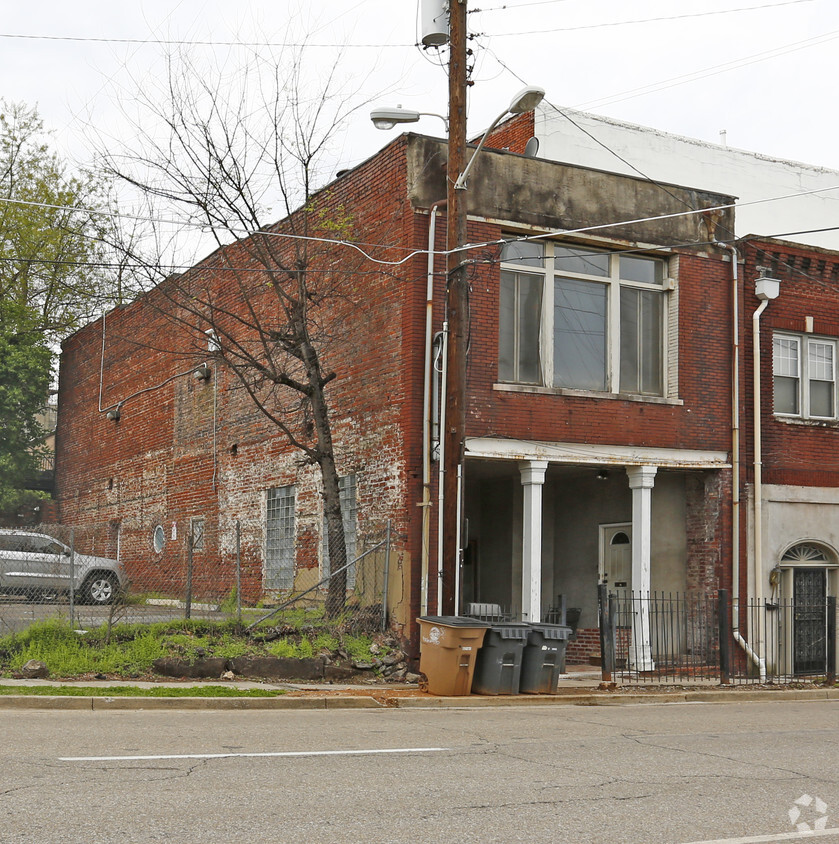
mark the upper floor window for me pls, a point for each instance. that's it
(580, 318)
(804, 370)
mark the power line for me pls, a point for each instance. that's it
(171, 42)
(713, 70)
(602, 25)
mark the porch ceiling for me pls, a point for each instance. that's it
(587, 454)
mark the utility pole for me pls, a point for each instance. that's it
(457, 305)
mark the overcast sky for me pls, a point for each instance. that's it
(767, 73)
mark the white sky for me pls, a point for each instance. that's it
(583, 52)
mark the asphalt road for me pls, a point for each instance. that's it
(643, 773)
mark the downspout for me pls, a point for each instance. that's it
(735, 438)
(735, 465)
(426, 413)
(766, 289)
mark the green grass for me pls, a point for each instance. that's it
(136, 691)
(129, 650)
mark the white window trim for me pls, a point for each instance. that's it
(614, 283)
(803, 377)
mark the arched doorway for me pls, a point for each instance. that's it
(807, 569)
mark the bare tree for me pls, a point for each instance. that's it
(224, 151)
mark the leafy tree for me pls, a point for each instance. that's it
(24, 379)
(53, 277)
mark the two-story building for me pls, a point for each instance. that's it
(599, 401)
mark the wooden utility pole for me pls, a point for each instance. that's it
(457, 305)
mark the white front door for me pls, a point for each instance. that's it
(616, 558)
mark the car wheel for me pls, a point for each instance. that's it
(101, 588)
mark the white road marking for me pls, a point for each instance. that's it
(768, 839)
(251, 755)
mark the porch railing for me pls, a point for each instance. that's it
(677, 638)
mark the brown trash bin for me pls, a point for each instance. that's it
(448, 647)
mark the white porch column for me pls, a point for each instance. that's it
(532, 481)
(641, 482)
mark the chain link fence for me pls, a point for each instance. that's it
(102, 574)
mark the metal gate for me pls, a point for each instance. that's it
(809, 621)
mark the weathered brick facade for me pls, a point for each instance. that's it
(185, 448)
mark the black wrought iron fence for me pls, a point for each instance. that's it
(677, 638)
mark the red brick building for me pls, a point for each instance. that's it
(599, 401)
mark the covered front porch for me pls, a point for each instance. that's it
(547, 522)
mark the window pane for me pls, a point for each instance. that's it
(507, 328)
(645, 270)
(786, 395)
(279, 539)
(579, 334)
(821, 374)
(530, 253)
(821, 398)
(530, 315)
(520, 316)
(583, 261)
(820, 360)
(641, 339)
(785, 356)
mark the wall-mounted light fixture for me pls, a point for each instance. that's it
(202, 373)
(603, 475)
(113, 414)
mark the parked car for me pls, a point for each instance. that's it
(35, 563)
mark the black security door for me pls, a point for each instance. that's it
(809, 620)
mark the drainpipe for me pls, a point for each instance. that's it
(766, 289)
(735, 437)
(735, 465)
(426, 412)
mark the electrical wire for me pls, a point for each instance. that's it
(497, 242)
(712, 70)
(633, 22)
(170, 42)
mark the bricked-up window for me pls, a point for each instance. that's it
(349, 516)
(581, 318)
(279, 538)
(804, 369)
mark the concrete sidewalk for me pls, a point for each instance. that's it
(581, 686)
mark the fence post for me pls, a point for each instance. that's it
(387, 574)
(238, 572)
(723, 626)
(72, 578)
(606, 649)
(831, 639)
(188, 600)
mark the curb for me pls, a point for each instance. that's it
(383, 701)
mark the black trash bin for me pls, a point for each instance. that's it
(543, 659)
(498, 665)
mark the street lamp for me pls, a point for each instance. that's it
(456, 326)
(387, 118)
(526, 100)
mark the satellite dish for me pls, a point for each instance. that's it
(531, 148)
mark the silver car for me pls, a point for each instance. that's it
(35, 563)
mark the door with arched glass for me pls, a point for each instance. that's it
(616, 559)
(806, 566)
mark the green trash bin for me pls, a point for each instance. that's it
(543, 659)
(498, 666)
(448, 647)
